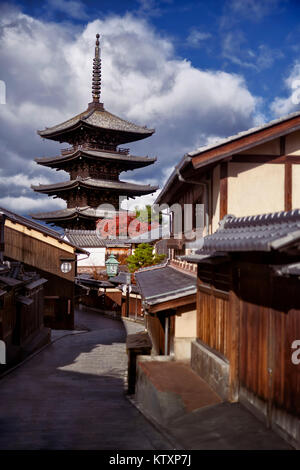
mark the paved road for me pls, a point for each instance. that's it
(71, 395)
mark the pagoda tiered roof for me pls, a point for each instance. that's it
(96, 184)
(121, 158)
(71, 216)
(96, 117)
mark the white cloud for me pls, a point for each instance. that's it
(235, 49)
(22, 180)
(49, 79)
(25, 204)
(73, 8)
(253, 9)
(196, 38)
(285, 105)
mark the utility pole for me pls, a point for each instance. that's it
(128, 280)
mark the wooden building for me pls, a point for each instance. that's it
(247, 297)
(169, 303)
(21, 309)
(94, 162)
(98, 248)
(248, 316)
(110, 296)
(42, 249)
(251, 172)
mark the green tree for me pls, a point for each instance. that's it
(145, 214)
(142, 257)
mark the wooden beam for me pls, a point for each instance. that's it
(266, 159)
(288, 186)
(223, 190)
(282, 145)
(259, 159)
(189, 299)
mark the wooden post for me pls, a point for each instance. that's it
(223, 190)
(127, 300)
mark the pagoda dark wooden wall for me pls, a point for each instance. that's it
(244, 319)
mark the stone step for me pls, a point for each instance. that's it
(168, 389)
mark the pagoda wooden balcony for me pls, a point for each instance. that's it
(107, 148)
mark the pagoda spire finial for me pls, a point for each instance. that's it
(96, 82)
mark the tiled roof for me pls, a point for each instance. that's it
(85, 238)
(70, 213)
(254, 233)
(161, 283)
(100, 119)
(127, 160)
(92, 239)
(91, 282)
(117, 242)
(131, 188)
(120, 278)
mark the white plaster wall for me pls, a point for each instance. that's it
(96, 258)
(216, 199)
(185, 332)
(186, 324)
(255, 189)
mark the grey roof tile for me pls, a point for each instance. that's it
(131, 188)
(85, 238)
(100, 119)
(254, 233)
(129, 160)
(159, 283)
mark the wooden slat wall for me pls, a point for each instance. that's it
(214, 317)
(254, 349)
(157, 334)
(214, 321)
(135, 306)
(286, 375)
(285, 324)
(254, 326)
(254, 329)
(36, 253)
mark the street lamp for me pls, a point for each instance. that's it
(112, 266)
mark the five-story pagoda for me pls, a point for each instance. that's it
(93, 161)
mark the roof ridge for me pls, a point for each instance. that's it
(230, 221)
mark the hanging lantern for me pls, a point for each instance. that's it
(112, 266)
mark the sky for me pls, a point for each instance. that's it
(196, 71)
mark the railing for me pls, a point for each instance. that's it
(106, 148)
(184, 266)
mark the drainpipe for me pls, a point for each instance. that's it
(2, 223)
(167, 319)
(205, 185)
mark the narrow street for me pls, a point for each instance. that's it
(71, 395)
